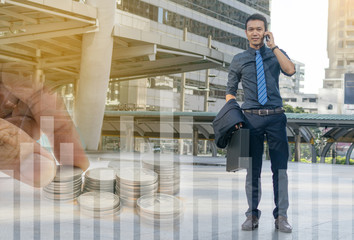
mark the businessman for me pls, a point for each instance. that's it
(258, 70)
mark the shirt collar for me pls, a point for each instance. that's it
(253, 51)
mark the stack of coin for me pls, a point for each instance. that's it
(99, 204)
(66, 184)
(168, 172)
(160, 208)
(133, 183)
(100, 180)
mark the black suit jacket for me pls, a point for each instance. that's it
(225, 121)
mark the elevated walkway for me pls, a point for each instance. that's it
(198, 126)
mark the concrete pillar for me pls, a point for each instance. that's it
(205, 146)
(206, 93)
(349, 153)
(207, 84)
(39, 78)
(297, 146)
(183, 91)
(214, 150)
(314, 155)
(183, 78)
(127, 134)
(91, 90)
(334, 153)
(195, 141)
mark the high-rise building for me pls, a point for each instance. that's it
(340, 45)
(340, 48)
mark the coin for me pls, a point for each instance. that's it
(67, 173)
(160, 208)
(100, 214)
(160, 204)
(98, 201)
(168, 174)
(101, 174)
(128, 187)
(62, 189)
(136, 176)
(100, 179)
(65, 185)
(159, 164)
(61, 196)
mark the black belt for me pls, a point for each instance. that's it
(264, 112)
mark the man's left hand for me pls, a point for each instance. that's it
(270, 43)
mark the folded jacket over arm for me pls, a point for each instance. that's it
(225, 121)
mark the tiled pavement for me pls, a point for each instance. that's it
(321, 206)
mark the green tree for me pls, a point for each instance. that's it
(299, 110)
(290, 109)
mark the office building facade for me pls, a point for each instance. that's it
(195, 21)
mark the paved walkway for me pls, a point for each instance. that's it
(321, 206)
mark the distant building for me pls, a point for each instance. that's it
(291, 90)
(295, 83)
(340, 48)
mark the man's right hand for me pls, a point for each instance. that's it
(238, 125)
(229, 97)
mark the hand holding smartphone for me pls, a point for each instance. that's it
(268, 36)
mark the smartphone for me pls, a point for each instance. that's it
(267, 38)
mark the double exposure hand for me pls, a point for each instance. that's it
(26, 112)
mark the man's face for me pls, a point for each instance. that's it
(255, 32)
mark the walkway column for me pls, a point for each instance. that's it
(297, 145)
(349, 153)
(314, 154)
(195, 141)
(91, 89)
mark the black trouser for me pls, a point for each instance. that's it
(274, 128)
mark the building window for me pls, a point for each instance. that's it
(304, 100)
(350, 44)
(330, 107)
(313, 100)
(293, 100)
(160, 15)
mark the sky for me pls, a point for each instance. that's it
(300, 29)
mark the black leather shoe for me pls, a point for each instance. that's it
(250, 224)
(281, 223)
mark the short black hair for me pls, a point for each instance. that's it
(257, 16)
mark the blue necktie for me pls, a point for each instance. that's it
(261, 82)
